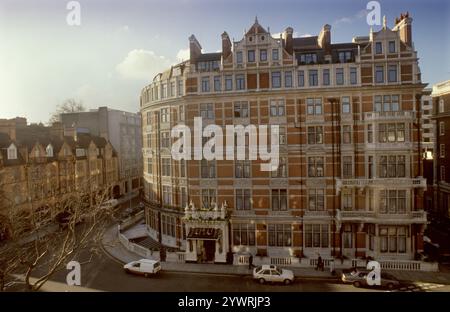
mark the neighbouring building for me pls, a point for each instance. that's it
(41, 166)
(123, 130)
(428, 124)
(441, 201)
(427, 142)
(349, 182)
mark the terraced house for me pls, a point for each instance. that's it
(349, 181)
(40, 167)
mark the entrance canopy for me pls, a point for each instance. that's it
(204, 233)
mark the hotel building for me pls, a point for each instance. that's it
(349, 182)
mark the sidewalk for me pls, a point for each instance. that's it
(116, 250)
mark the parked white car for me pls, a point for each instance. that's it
(144, 267)
(270, 273)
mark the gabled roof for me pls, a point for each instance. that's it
(256, 29)
(5, 140)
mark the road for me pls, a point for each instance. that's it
(106, 274)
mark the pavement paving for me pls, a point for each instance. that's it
(104, 273)
(119, 253)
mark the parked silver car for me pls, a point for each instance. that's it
(358, 278)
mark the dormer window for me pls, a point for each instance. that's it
(12, 152)
(80, 152)
(208, 66)
(49, 151)
(308, 58)
(345, 56)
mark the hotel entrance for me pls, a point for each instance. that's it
(207, 235)
(207, 250)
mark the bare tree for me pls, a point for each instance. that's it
(68, 106)
(42, 241)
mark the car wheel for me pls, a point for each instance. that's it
(287, 282)
(261, 281)
(390, 286)
(356, 284)
(127, 271)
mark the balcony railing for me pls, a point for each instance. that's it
(355, 214)
(146, 152)
(148, 128)
(321, 213)
(389, 115)
(364, 215)
(388, 182)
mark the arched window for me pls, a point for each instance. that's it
(12, 152)
(49, 150)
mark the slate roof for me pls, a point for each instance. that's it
(207, 57)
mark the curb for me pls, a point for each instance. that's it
(297, 278)
(330, 278)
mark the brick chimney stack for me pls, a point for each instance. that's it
(288, 40)
(324, 39)
(403, 26)
(226, 45)
(195, 49)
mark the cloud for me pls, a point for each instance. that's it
(183, 55)
(142, 65)
(85, 91)
(350, 19)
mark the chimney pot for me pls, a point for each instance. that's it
(226, 45)
(288, 40)
(324, 39)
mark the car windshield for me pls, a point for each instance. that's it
(157, 264)
(257, 269)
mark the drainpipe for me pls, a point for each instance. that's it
(419, 167)
(158, 149)
(297, 126)
(332, 101)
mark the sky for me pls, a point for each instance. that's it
(120, 45)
